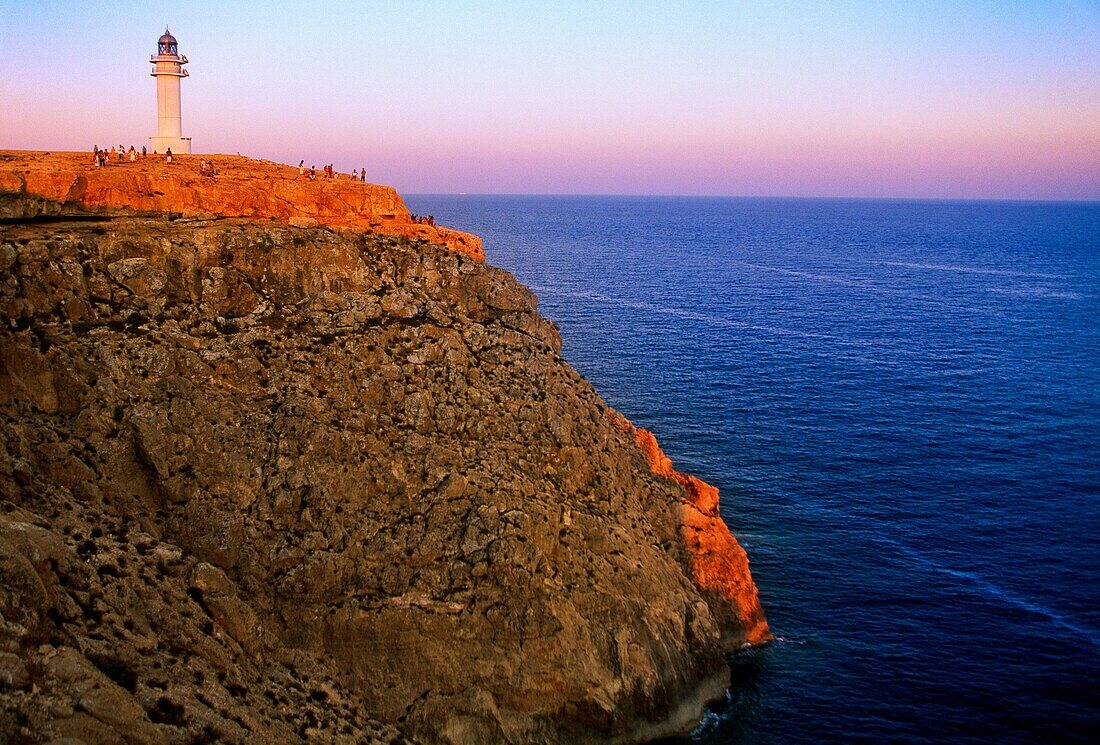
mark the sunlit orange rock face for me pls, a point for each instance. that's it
(719, 564)
(240, 187)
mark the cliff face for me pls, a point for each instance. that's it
(263, 482)
(240, 187)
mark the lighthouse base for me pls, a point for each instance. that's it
(179, 145)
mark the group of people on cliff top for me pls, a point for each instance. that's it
(101, 157)
(206, 167)
(422, 219)
(330, 172)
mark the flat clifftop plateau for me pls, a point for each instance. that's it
(267, 483)
(238, 187)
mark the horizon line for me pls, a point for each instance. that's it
(851, 197)
(785, 197)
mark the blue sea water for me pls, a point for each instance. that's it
(900, 403)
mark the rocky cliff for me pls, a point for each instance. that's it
(263, 483)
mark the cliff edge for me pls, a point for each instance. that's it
(267, 483)
(237, 187)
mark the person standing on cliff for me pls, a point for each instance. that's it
(363, 175)
(302, 167)
(143, 152)
(168, 155)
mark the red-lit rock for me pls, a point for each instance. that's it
(240, 187)
(719, 564)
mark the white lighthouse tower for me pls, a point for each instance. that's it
(168, 69)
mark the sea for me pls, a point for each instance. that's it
(900, 404)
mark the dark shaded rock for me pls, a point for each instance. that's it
(259, 462)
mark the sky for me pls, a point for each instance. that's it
(934, 99)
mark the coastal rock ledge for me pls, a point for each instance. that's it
(268, 483)
(237, 187)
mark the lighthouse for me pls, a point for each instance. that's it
(168, 70)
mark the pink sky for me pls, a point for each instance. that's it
(935, 99)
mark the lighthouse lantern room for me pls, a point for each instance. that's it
(168, 70)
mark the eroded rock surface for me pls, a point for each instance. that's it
(110, 635)
(260, 461)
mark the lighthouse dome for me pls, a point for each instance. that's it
(166, 44)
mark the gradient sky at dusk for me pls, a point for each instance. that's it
(914, 99)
